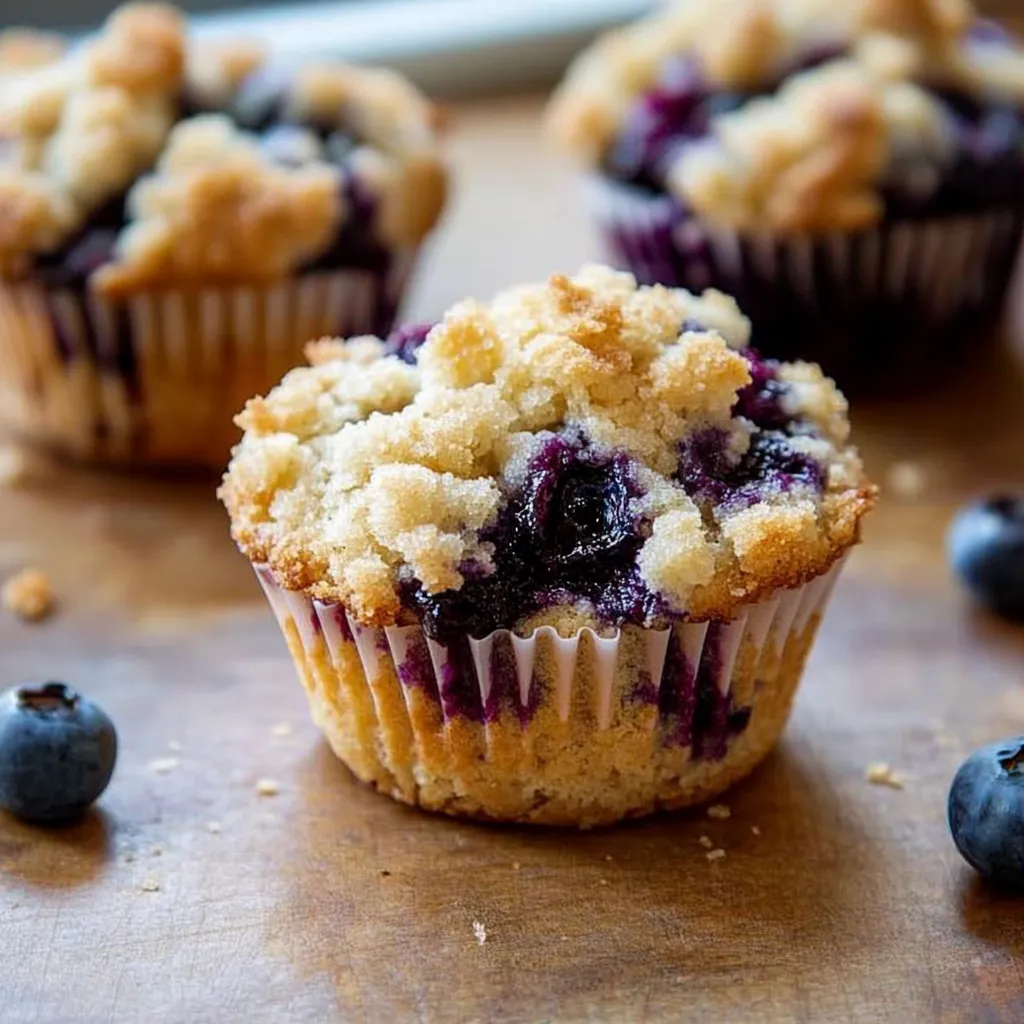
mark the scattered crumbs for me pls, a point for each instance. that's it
(129, 857)
(174, 746)
(515, 865)
(564, 938)
(880, 774)
(607, 856)
(906, 479)
(157, 851)
(756, 831)
(282, 729)
(602, 881)
(150, 885)
(715, 854)
(164, 765)
(385, 874)
(28, 595)
(719, 811)
(14, 466)
(705, 841)
(213, 827)
(267, 787)
(480, 932)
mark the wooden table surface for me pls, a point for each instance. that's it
(188, 897)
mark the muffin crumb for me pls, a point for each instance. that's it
(719, 811)
(29, 595)
(480, 932)
(755, 830)
(715, 854)
(164, 765)
(150, 885)
(878, 773)
(214, 828)
(706, 842)
(906, 479)
(267, 787)
(282, 729)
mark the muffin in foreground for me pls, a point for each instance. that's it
(178, 218)
(558, 558)
(851, 171)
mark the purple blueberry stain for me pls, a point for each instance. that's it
(341, 621)
(406, 340)
(416, 669)
(460, 690)
(677, 696)
(643, 693)
(503, 698)
(711, 706)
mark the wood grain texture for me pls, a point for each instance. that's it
(330, 902)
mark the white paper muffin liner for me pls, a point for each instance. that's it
(762, 631)
(157, 377)
(901, 295)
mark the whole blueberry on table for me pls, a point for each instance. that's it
(57, 752)
(986, 547)
(986, 811)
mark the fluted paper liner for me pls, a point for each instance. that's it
(404, 688)
(860, 302)
(156, 378)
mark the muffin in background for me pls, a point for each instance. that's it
(178, 218)
(852, 171)
(558, 558)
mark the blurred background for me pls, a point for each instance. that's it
(450, 47)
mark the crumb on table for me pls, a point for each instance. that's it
(880, 774)
(480, 932)
(28, 594)
(715, 854)
(705, 841)
(213, 827)
(755, 830)
(906, 479)
(267, 787)
(719, 811)
(163, 765)
(150, 885)
(282, 729)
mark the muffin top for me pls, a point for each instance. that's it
(585, 445)
(803, 115)
(142, 159)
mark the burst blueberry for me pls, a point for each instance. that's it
(57, 752)
(986, 811)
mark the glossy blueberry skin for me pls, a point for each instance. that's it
(986, 811)
(57, 752)
(986, 549)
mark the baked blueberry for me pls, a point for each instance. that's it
(986, 811)
(57, 752)
(986, 548)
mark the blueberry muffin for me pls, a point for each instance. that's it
(558, 558)
(851, 170)
(177, 219)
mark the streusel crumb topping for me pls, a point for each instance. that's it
(812, 153)
(367, 474)
(107, 122)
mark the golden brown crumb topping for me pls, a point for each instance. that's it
(363, 470)
(83, 126)
(810, 157)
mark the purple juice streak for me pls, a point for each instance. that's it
(711, 710)
(314, 621)
(341, 621)
(503, 699)
(460, 691)
(644, 692)
(416, 669)
(677, 696)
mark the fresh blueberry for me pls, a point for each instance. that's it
(986, 548)
(57, 752)
(761, 401)
(260, 100)
(986, 811)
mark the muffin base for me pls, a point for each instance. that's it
(154, 380)
(593, 742)
(879, 310)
